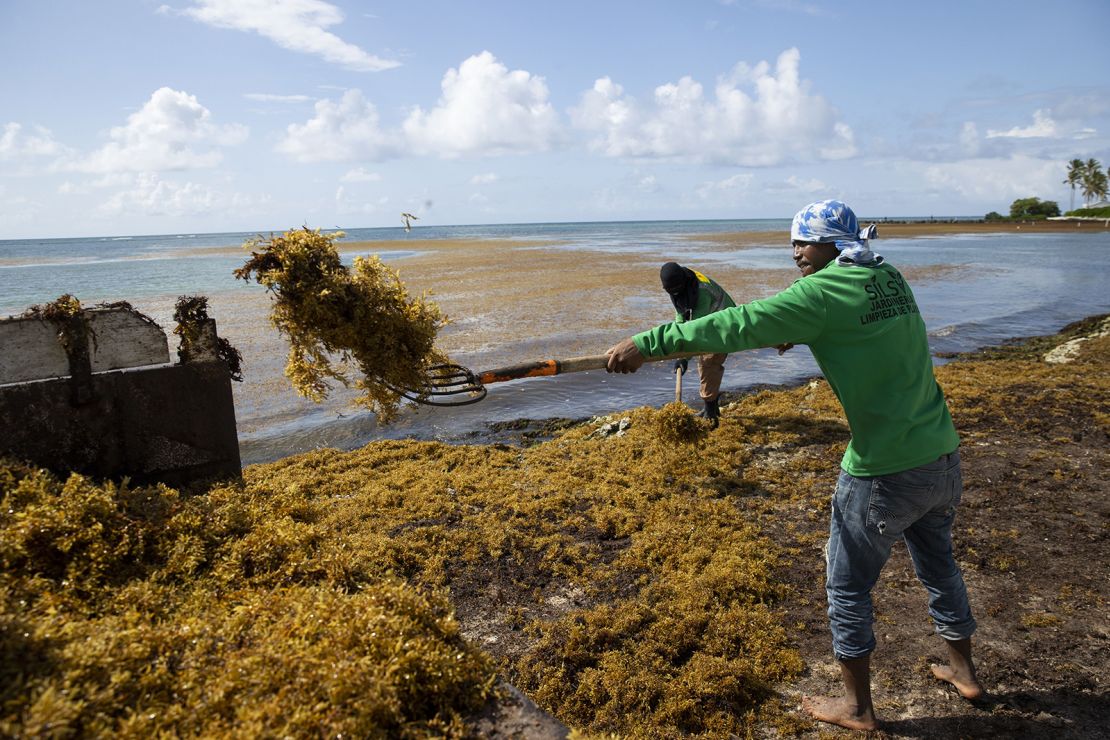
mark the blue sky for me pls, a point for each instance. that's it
(140, 117)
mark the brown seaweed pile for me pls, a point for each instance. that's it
(629, 585)
(62, 308)
(136, 611)
(334, 316)
(678, 424)
(132, 612)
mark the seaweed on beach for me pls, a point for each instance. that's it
(190, 313)
(336, 317)
(135, 612)
(628, 585)
(63, 308)
(678, 424)
(261, 595)
(65, 312)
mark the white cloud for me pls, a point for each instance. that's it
(1042, 126)
(779, 121)
(150, 195)
(969, 138)
(160, 136)
(297, 25)
(487, 178)
(606, 108)
(18, 210)
(1049, 136)
(732, 185)
(810, 185)
(1081, 106)
(153, 196)
(340, 131)
(345, 204)
(272, 98)
(997, 180)
(113, 180)
(360, 175)
(72, 188)
(485, 109)
(16, 144)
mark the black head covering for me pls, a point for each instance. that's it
(682, 285)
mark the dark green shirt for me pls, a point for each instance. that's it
(711, 297)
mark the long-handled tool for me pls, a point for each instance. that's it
(455, 385)
(679, 369)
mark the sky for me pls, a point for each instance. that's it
(122, 117)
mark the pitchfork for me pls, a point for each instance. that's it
(454, 385)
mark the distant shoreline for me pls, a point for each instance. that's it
(924, 225)
(909, 228)
(887, 228)
(903, 228)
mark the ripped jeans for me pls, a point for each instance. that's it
(868, 516)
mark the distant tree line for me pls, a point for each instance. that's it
(1088, 177)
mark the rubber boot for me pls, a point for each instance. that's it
(712, 411)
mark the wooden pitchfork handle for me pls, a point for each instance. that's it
(544, 368)
(454, 385)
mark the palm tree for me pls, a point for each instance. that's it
(1099, 186)
(1094, 182)
(1075, 176)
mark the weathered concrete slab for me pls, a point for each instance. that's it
(118, 338)
(66, 405)
(174, 424)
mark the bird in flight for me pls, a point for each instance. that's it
(408, 218)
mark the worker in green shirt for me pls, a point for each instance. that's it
(900, 475)
(694, 296)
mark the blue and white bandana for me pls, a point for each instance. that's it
(833, 221)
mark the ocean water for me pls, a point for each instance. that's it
(986, 288)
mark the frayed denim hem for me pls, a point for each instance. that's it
(955, 632)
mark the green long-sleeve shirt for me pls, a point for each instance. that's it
(864, 329)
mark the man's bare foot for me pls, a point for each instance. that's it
(838, 711)
(968, 687)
